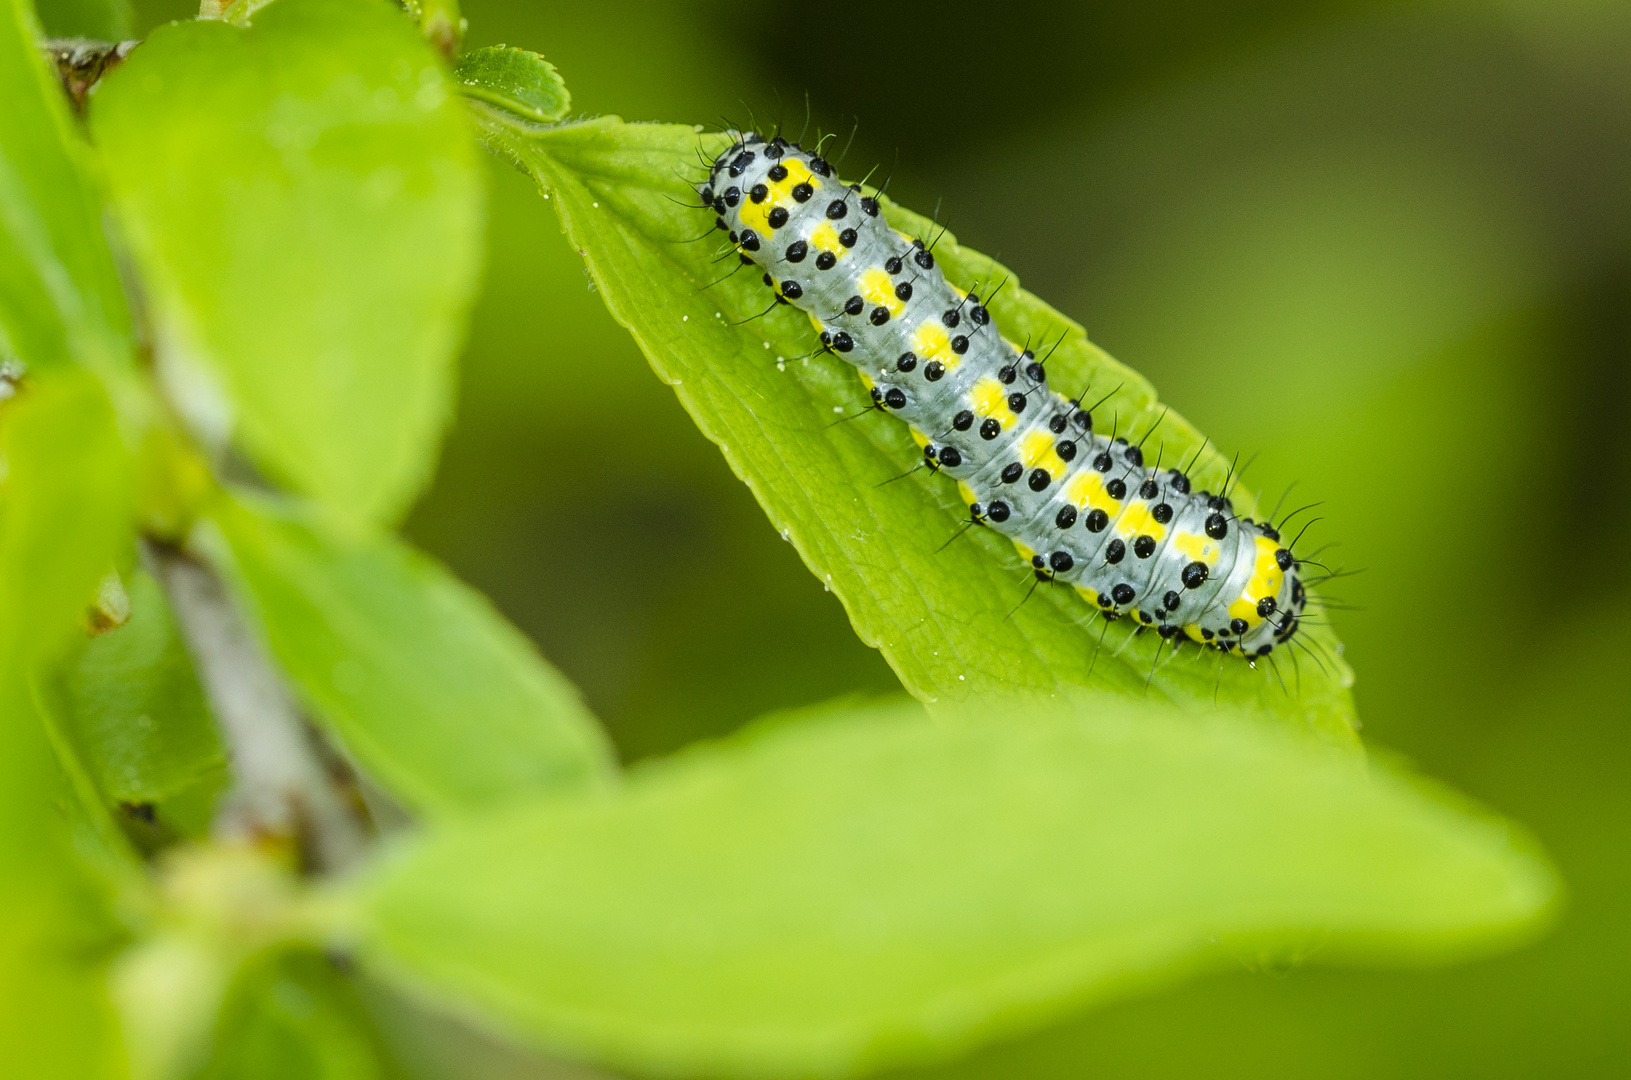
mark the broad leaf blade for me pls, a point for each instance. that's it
(443, 702)
(944, 617)
(303, 199)
(60, 297)
(64, 513)
(835, 896)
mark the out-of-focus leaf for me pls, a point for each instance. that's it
(60, 296)
(64, 509)
(943, 616)
(303, 199)
(140, 716)
(827, 897)
(515, 80)
(432, 1043)
(227, 912)
(55, 926)
(437, 697)
(293, 1016)
(103, 20)
(63, 515)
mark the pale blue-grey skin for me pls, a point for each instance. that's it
(1046, 508)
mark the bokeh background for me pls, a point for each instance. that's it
(1385, 246)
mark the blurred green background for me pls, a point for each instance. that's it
(1385, 246)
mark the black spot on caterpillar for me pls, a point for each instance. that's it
(1081, 507)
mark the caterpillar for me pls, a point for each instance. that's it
(1081, 507)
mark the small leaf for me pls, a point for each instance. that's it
(140, 715)
(425, 685)
(954, 615)
(303, 200)
(833, 896)
(60, 297)
(517, 81)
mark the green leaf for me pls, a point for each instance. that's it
(293, 1016)
(303, 200)
(520, 82)
(55, 927)
(63, 516)
(139, 714)
(101, 20)
(944, 617)
(64, 509)
(425, 685)
(60, 296)
(833, 896)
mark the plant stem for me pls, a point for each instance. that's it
(281, 787)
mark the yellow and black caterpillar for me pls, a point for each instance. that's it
(1082, 507)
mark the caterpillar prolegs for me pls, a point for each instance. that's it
(1081, 506)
